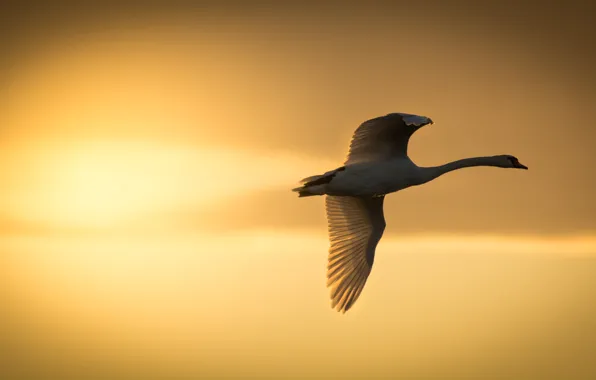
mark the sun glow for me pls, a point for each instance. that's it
(103, 185)
(109, 184)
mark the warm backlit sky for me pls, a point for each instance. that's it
(146, 224)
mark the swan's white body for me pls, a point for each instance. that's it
(377, 164)
(372, 179)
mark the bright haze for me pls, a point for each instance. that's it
(148, 230)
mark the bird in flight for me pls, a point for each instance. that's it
(377, 165)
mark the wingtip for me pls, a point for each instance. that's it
(337, 307)
(340, 309)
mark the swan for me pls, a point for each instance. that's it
(377, 164)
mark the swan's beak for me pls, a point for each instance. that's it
(430, 121)
(519, 165)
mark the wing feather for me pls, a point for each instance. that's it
(355, 227)
(384, 137)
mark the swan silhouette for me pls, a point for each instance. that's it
(377, 165)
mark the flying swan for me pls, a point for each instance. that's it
(377, 165)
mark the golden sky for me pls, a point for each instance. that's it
(146, 223)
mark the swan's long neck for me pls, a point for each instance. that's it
(437, 171)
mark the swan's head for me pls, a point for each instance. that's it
(508, 161)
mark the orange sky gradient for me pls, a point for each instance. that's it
(147, 228)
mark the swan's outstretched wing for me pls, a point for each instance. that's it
(355, 227)
(384, 137)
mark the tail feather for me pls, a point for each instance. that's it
(308, 191)
(316, 184)
(305, 193)
(311, 178)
